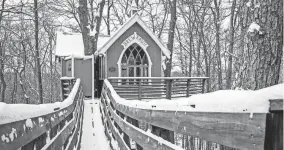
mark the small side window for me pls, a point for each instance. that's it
(69, 67)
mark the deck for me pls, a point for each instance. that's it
(127, 117)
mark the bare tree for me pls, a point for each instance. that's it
(85, 26)
(231, 47)
(90, 31)
(216, 14)
(171, 35)
(98, 25)
(2, 55)
(37, 53)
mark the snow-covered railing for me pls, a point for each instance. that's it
(157, 87)
(46, 126)
(139, 128)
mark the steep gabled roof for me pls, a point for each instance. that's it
(134, 19)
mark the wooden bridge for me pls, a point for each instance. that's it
(146, 128)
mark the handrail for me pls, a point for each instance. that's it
(157, 87)
(116, 78)
(56, 129)
(235, 130)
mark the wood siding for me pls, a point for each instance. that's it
(83, 70)
(63, 67)
(68, 72)
(115, 50)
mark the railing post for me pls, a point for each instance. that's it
(139, 90)
(169, 83)
(203, 84)
(274, 126)
(62, 90)
(187, 87)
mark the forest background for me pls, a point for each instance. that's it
(238, 44)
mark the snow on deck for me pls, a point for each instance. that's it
(219, 101)
(93, 136)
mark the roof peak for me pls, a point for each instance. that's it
(131, 21)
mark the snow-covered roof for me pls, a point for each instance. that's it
(72, 43)
(68, 44)
(134, 19)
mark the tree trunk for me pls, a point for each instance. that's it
(85, 26)
(231, 47)
(190, 54)
(2, 55)
(14, 90)
(98, 25)
(181, 55)
(198, 65)
(51, 68)
(268, 42)
(22, 74)
(109, 4)
(38, 65)
(216, 15)
(2, 79)
(171, 38)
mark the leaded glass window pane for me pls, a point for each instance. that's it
(145, 60)
(135, 53)
(138, 60)
(131, 59)
(124, 60)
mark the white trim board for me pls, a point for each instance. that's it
(147, 55)
(93, 77)
(135, 18)
(73, 66)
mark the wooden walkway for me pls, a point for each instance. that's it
(93, 136)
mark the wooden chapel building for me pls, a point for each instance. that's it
(132, 51)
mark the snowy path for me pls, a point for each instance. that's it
(93, 136)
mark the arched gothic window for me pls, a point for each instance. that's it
(134, 62)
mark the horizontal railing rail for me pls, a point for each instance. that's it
(155, 129)
(157, 87)
(58, 129)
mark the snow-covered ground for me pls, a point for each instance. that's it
(93, 136)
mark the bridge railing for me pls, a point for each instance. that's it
(143, 128)
(59, 127)
(157, 87)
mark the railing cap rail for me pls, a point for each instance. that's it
(158, 77)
